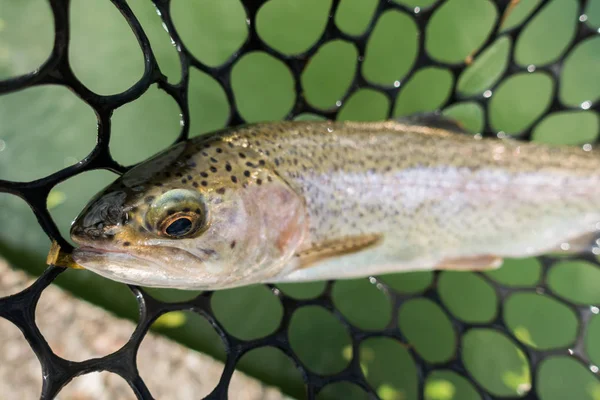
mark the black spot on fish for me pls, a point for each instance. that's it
(205, 154)
(183, 181)
(221, 190)
(208, 252)
(259, 181)
(204, 183)
(195, 184)
(277, 162)
(213, 169)
(149, 199)
(246, 173)
(234, 179)
(228, 167)
(178, 174)
(232, 245)
(242, 155)
(197, 211)
(261, 162)
(269, 178)
(214, 160)
(218, 149)
(192, 164)
(189, 177)
(230, 144)
(249, 164)
(126, 244)
(204, 174)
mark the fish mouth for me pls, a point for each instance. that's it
(137, 269)
(100, 250)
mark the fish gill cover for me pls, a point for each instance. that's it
(528, 69)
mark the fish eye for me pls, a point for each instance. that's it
(178, 214)
(180, 225)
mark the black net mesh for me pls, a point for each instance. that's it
(57, 372)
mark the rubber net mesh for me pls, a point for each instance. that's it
(57, 372)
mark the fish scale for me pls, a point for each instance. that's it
(372, 197)
(351, 174)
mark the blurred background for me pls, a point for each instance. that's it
(44, 129)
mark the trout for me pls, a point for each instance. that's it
(301, 201)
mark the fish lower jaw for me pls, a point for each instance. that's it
(134, 269)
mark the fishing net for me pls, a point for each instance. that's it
(457, 374)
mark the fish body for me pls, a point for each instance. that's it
(301, 201)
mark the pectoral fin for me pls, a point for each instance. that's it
(476, 263)
(336, 247)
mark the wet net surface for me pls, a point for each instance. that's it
(57, 372)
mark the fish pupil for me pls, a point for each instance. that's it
(179, 227)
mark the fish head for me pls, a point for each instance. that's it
(190, 219)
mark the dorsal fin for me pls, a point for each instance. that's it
(433, 120)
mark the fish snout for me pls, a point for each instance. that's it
(98, 223)
(97, 233)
